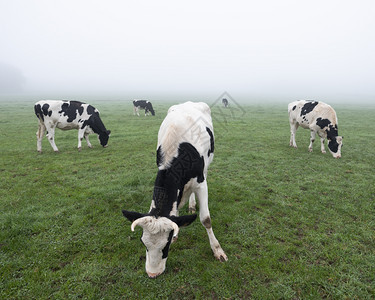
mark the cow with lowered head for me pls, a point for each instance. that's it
(184, 151)
(321, 119)
(143, 104)
(68, 115)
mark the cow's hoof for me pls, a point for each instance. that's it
(192, 210)
(221, 256)
(153, 275)
(310, 149)
(324, 152)
(79, 149)
(57, 151)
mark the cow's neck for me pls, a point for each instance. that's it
(97, 125)
(165, 195)
(170, 182)
(332, 132)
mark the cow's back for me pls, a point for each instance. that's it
(46, 109)
(186, 123)
(309, 111)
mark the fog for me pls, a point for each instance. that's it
(290, 49)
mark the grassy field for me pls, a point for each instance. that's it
(294, 224)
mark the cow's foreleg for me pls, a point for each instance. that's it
(204, 215)
(51, 136)
(293, 129)
(39, 136)
(86, 135)
(192, 203)
(312, 139)
(82, 134)
(322, 148)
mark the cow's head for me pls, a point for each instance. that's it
(334, 146)
(158, 234)
(103, 137)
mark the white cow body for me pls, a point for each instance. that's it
(67, 115)
(319, 118)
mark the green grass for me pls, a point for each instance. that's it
(294, 224)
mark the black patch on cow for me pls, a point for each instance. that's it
(70, 110)
(132, 215)
(333, 145)
(187, 165)
(159, 156)
(212, 142)
(45, 108)
(294, 107)
(322, 123)
(38, 112)
(166, 248)
(332, 131)
(308, 107)
(183, 220)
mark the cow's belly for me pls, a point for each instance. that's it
(67, 126)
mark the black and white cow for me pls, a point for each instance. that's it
(321, 119)
(185, 150)
(143, 104)
(68, 115)
(225, 102)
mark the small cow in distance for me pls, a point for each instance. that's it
(225, 102)
(185, 150)
(321, 119)
(143, 104)
(68, 115)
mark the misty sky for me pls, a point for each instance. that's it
(293, 48)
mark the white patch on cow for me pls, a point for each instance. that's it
(185, 122)
(174, 211)
(152, 205)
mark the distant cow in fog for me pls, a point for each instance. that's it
(225, 102)
(68, 115)
(321, 119)
(143, 104)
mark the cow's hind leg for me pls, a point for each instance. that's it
(204, 215)
(312, 139)
(293, 130)
(39, 136)
(51, 136)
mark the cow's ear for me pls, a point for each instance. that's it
(184, 220)
(132, 215)
(108, 132)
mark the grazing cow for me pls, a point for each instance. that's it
(68, 115)
(143, 104)
(225, 102)
(185, 150)
(321, 119)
